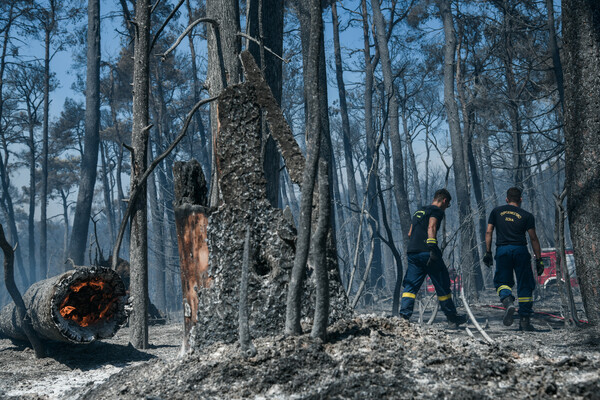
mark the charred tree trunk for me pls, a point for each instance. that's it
(89, 160)
(224, 69)
(138, 246)
(582, 151)
(265, 22)
(79, 306)
(191, 221)
(49, 25)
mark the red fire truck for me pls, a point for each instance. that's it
(548, 278)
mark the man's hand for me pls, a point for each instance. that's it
(434, 251)
(488, 260)
(539, 266)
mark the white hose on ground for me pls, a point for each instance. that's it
(479, 328)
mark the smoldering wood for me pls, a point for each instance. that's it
(78, 306)
(191, 221)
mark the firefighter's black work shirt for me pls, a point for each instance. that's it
(511, 223)
(417, 243)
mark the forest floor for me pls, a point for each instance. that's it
(370, 356)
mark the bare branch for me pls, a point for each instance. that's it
(186, 32)
(244, 35)
(151, 167)
(171, 15)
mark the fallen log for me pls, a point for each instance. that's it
(80, 306)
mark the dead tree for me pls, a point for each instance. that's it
(244, 203)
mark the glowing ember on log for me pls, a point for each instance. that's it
(81, 306)
(89, 302)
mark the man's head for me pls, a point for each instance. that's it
(514, 195)
(442, 198)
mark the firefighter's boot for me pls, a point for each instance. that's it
(455, 320)
(509, 311)
(525, 324)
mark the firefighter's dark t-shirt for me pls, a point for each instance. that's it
(417, 243)
(511, 223)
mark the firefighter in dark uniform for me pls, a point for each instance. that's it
(425, 258)
(512, 257)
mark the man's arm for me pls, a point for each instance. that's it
(535, 243)
(488, 238)
(432, 228)
(410, 231)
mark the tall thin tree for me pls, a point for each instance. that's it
(89, 160)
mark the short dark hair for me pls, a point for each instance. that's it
(442, 194)
(514, 194)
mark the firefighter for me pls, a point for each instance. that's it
(512, 257)
(425, 258)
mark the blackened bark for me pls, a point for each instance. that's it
(553, 49)
(582, 124)
(89, 160)
(224, 68)
(266, 24)
(138, 246)
(44, 182)
(77, 306)
(32, 195)
(280, 130)
(246, 346)
(292, 322)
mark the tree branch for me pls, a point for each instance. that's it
(151, 167)
(244, 35)
(186, 32)
(171, 15)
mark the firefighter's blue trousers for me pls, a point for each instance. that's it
(416, 272)
(515, 260)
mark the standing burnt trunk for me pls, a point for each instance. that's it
(191, 220)
(245, 204)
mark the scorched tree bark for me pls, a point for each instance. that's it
(581, 20)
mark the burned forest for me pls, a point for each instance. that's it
(304, 199)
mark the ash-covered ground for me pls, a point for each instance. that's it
(369, 356)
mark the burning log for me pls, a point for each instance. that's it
(81, 306)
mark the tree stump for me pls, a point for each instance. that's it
(191, 220)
